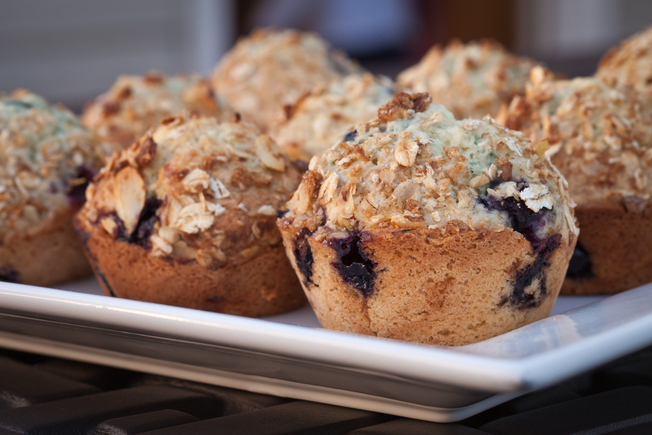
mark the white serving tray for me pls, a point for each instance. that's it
(289, 355)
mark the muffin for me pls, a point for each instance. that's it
(630, 64)
(186, 216)
(271, 68)
(424, 228)
(324, 115)
(136, 103)
(47, 158)
(471, 80)
(601, 139)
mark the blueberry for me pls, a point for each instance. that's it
(303, 255)
(580, 266)
(352, 263)
(351, 135)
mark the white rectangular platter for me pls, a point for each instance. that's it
(289, 355)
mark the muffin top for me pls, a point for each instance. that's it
(630, 63)
(472, 80)
(322, 117)
(195, 189)
(601, 136)
(415, 166)
(47, 159)
(271, 68)
(136, 103)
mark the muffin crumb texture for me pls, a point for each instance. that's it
(599, 136)
(197, 197)
(48, 158)
(472, 80)
(135, 104)
(325, 115)
(429, 229)
(271, 68)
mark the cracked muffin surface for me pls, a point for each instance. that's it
(426, 228)
(271, 68)
(471, 80)
(47, 157)
(135, 104)
(601, 137)
(195, 197)
(324, 115)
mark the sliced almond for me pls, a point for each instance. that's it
(265, 150)
(130, 193)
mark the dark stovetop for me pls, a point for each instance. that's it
(43, 395)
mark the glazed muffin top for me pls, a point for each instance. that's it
(47, 158)
(472, 80)
(194, 189)
(630, 64)
(271, 68)
(601, 136)
(322, 117)
(136, 103)
(415, 166)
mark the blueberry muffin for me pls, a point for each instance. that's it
(323, 116)
(472, 80)
(630, 64)
(47, 158)
(271, 68)
(186, 216)
(601, 140)
(420, 227)
(136, 103)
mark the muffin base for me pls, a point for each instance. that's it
(450, 289)
(617, 243)
(261, 286)
(47, 254)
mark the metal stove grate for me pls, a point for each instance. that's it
(42, 395)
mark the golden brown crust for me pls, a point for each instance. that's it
(261, 286)
(471, 80)
(328, 113)
(270, 68)
(449, 287)
(134, 104)
(48, 254)
(616, 242)
(630, 63)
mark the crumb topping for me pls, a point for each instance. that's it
(323, 116)
(270, 68)
(600, 136)
(213, 190)
(136, 103)
(47, 158)
(472, 80)
(630, 63)
(422, 168)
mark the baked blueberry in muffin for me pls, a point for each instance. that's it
(135, 104)
(324, 115)
(471, 80)
(601, 138)
(48, 158)
(429, 229)
(186, 216)
(271, 68)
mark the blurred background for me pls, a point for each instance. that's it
(72, 50)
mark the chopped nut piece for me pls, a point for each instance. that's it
(406, 152)
(196, 181)
(130, 193)
(269, 157)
